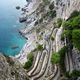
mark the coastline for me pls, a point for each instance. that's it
(27, 48)
(31, 42)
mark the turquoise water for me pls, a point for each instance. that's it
(9, 24)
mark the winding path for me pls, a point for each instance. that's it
(36, 63)
(42, 64)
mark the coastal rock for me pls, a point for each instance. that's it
(22, 19)
(17, 7)
(11, 69)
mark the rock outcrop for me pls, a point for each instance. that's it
(11, 69)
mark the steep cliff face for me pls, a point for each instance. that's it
(66, 7)
(74, 5)
(11, 69)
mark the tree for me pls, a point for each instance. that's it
(75, 73)
(72, 30)
(28, 64)
(76, 38)
(73, 23)
(40, 47)
(52, 38)
(62, 52)
(74, 14)
(68, 34)
(51, 13)
(55, 58)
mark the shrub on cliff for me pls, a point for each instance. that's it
(46, 2)
(75, 73)
(74, 14)
(51, 6)
(59, 22)
(55, 58)
(52, 38)
(51, 13)
(40, 47)
(28, 64)
(62, 57)
(76, 38)
(68, 34)
(72, 31)
(73, 23)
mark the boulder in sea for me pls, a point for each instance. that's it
(23, 9)
(26, 38)
(14, 47)
(17, 7)
(22, 19)
(29, 0)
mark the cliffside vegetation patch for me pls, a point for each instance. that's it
(28, 64)
(72, 29)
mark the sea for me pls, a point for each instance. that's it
(11, 42)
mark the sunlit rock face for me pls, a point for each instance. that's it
(76, 58)
(28, 0)
(74, 5)
(66, 7)
(11, 69)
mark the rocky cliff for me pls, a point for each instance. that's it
(11, 69)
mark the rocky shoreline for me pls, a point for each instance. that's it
(25, 32)
(51, 51)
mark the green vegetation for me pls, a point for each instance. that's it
(36, 23)
(62, 57)
(51, 7)
(27, 79)
(74, 14)
(74, 74)
(52, 38)
(58, 57)
(40, 47)
(68, 34)
(62, 36)
(72, 29)
(37, 30)
(40, 37)
(41, 20)
(46, 2)
(51, 13)
(73, 23)
(76, 38)
(72, 33)
(59, 22)
(28, 64)
(55, 58)
(67, 74)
